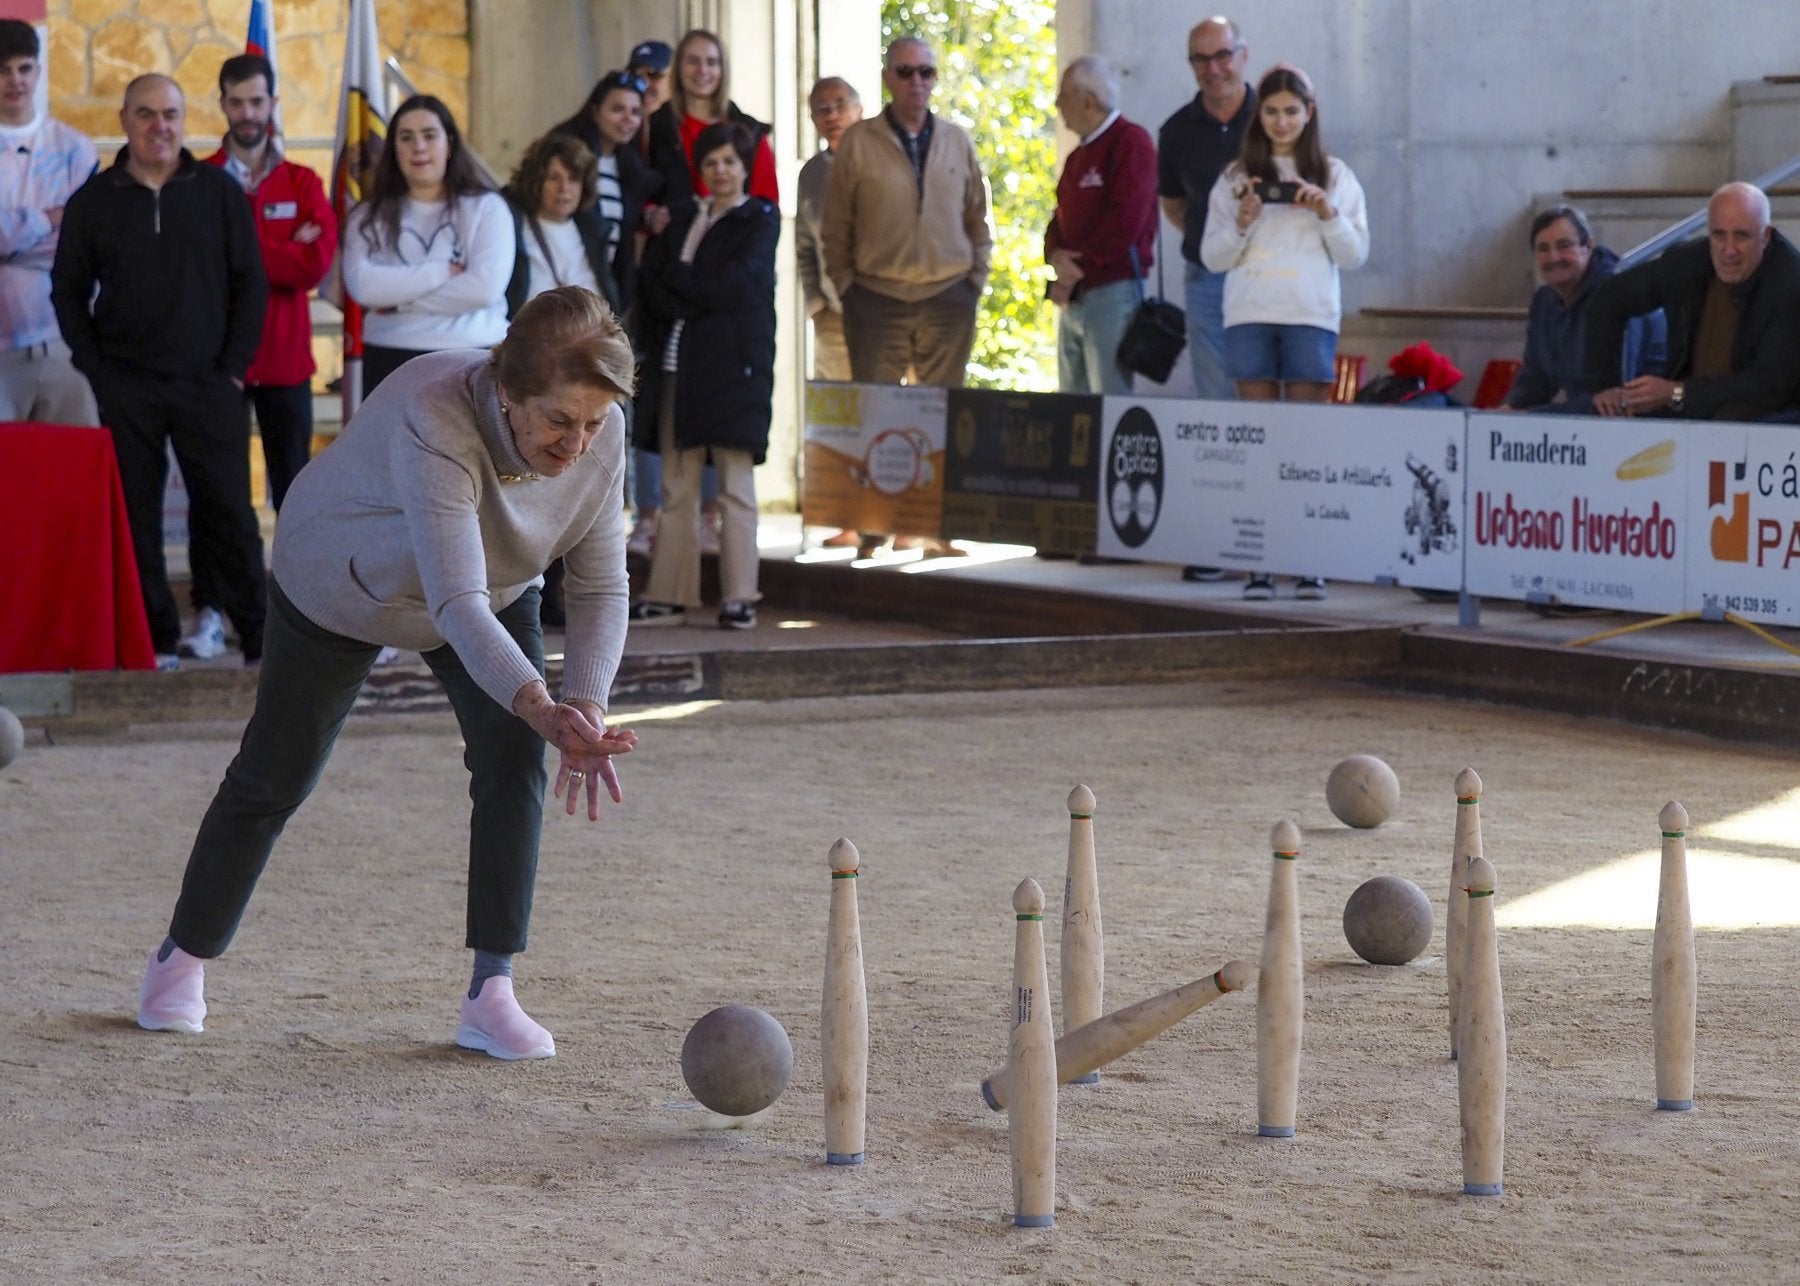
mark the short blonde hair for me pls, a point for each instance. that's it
(565, 336)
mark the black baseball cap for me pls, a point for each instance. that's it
(653, 54)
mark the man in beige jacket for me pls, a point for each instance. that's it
(907, 233)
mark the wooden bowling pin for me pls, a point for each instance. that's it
(1464, 844)
(1117, 1034)
(844, 1016)
(1672, 972)
(1031, 1067)
(1083, 948)
(1481, 1043)
(1280, 997)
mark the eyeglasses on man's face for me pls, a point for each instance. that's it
(906, 71)
(1221, 59)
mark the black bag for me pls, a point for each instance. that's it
(1156, 334)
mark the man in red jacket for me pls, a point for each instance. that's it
(298, 234)
(1105, 210)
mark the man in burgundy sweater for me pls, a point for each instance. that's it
(1105, 207)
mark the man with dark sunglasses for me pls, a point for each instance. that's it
(906, 232)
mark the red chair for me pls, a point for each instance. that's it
(1496, 382)
(1347, 377)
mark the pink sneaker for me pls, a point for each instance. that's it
(494, 1024)
(172, 997)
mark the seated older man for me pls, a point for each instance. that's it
(1733, 304)
(1571, 267)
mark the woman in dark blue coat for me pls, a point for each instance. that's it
(707, 287)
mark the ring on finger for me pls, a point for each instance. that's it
(575, 774)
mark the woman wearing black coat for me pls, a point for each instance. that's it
(707, 287)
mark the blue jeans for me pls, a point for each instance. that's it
(646, 482)
(1087, 339)
(1265, 351)
(1206, 333)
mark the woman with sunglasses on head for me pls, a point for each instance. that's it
(1282, 221)
(608, 123)
(700, 95)
(429, 252)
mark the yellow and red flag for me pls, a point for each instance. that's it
(361, 133)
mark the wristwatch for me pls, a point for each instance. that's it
(1677, 395)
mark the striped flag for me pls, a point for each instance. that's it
(361, 132)
(261, 40)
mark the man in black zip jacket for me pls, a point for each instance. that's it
(172, 247)
(1733, 303)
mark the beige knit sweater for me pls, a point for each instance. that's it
(406, 533)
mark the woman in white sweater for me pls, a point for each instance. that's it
(430, 251)
(1281, 222)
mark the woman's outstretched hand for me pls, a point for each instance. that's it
(584, 744)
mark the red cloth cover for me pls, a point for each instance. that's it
(69, 596)
(1422, 361)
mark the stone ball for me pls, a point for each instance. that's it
(12, 736)
(737, 1060)
(1388, 920)
(1362, 791)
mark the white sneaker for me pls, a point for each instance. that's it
(167, 662)
(208, 638)
(642, 540)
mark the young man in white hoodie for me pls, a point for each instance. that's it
(42, 162)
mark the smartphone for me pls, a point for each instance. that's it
(1277, 191)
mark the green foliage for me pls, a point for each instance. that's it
(997, 79)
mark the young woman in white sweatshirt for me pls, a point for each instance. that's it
(429, 252)
(1282, 221)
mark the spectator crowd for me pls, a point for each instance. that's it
(166, 296)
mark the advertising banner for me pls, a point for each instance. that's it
(1020, 468)
(1579, 510)
(874, 458)
(1345, 492)
(1744, 499)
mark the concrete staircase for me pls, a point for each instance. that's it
(1765, 129)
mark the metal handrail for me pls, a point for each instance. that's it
(1697, 220)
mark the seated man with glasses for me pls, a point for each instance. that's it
(1571, 267)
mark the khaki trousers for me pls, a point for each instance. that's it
(675, 568)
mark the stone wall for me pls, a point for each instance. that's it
(97, 46)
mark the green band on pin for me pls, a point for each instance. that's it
(1081, 817)
(1468, 799)
(1286, 857)
(1674, 834)
(843, 875)
(1219, 982)
(1028, 917)
(1485, 894)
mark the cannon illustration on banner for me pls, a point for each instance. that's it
(1430, 519)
